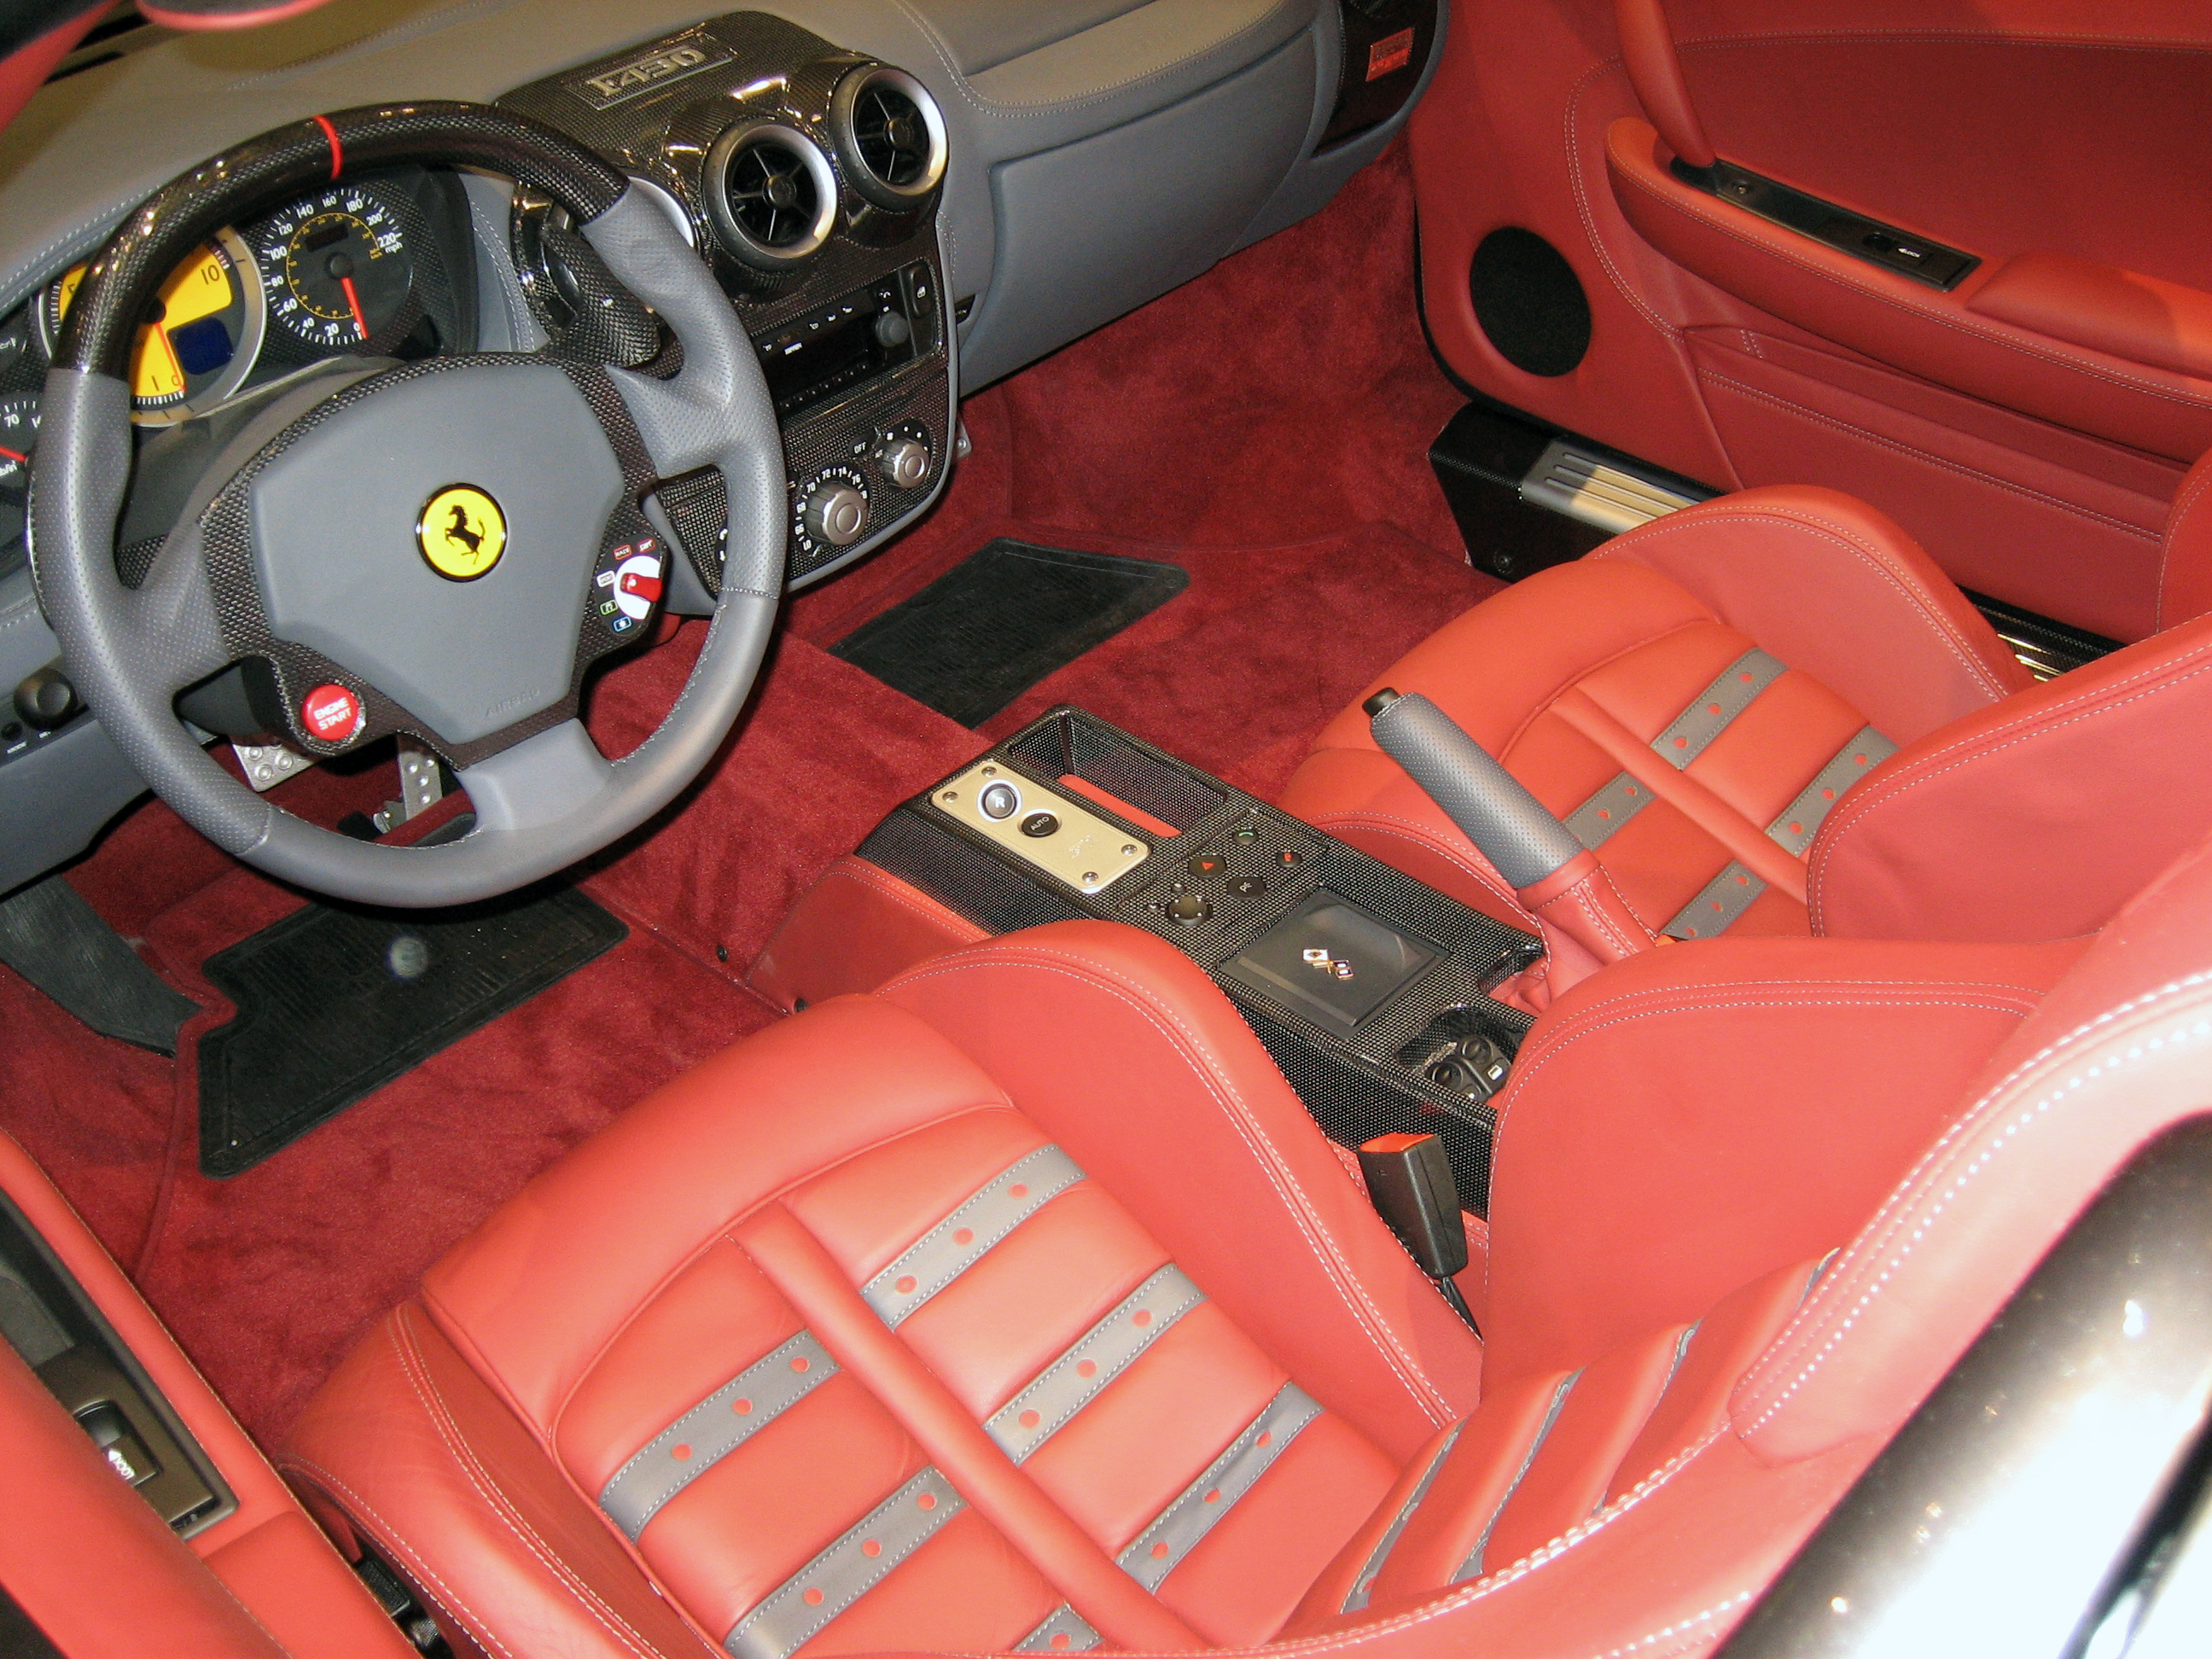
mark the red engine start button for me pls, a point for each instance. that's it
(332, 712)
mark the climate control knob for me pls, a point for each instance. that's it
(905, 463)
(835, 513)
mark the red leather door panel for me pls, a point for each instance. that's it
(2028, 427)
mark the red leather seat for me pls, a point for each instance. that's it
(1772, 714)
(1020, 1305)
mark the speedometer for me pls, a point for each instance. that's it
(337, 268)
(202, 338)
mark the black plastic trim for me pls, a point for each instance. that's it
(99, 1368)
(1920, 257)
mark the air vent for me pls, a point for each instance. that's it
(771, 194)
(889, 136)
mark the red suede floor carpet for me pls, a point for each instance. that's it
(1265, 427)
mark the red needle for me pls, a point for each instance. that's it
(13, 455)
(353, 300)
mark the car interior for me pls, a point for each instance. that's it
(1323, 827)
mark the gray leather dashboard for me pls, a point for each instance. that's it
(1102, 151)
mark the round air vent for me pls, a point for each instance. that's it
(770, 193)
(889, 136)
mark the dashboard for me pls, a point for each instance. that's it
(902, 199)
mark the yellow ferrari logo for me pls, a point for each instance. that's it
(462, 532)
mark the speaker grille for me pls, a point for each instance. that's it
(1529, 302)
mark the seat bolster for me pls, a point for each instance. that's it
(1121, 1050)
(2120, 1050)
(1491, 667)
(2101, 786)
(597, 1234)
(1785, 1083)
(2185, 565)
(1834, 587)
(423, 1461)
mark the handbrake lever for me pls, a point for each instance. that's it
(1557, 878)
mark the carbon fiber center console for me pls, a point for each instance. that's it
(1370, 989)
(809, 178)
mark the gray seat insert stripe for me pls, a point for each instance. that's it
(1364, 1584)
(713, 1429)
(960, 1241)
(1066, 1631)
(1176, 1531)
(1472, 1567)
(1101, 1354)
(1715, 709)
(847, 1571)
(1717, 905)
(1802, 819)
(1594, 821)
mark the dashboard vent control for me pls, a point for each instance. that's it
(889, 136)
(770, 193)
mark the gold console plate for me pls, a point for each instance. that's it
(1083, 851)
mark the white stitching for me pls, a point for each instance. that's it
(1869, 552)
(1910, 1199)
(2090, 703)
(1349, 1288)
(1913, 451)
(1773, 250)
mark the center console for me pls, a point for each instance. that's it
(809, 177)
(1370, 989)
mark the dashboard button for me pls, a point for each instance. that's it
(1208, 864)
(1248, 886)
(1038, 825)
(1000, 800)
(1188, 910)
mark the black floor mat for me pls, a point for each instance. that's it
(1002, 619)
(335, 1003)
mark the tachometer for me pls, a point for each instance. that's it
(337, 268)
(202, 339)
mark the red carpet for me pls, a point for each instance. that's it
(1265, 427)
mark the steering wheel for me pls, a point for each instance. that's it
(435, 549)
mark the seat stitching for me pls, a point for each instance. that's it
(2174, 514)
(1987, 337)
(1600, 922)
(1879, 788)
(1867, 551)
(1350, 1290)
(465, 1459)
(1286, 1185)
(1481, 1590)
(1684, 1000)
(1927, 1209)
(1577, 677)
(1852, 430)
(390, 1537)
(721, 1233)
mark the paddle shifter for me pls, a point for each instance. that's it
(1586, 924)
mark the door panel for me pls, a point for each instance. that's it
(2029, 425)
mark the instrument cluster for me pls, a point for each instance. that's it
(382, 266)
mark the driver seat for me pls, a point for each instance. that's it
(1020, 1305)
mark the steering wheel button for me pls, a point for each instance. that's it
(332, 712)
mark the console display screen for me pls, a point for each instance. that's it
(1331, 960)
(836, 355)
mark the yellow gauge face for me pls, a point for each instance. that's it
(206, 320)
